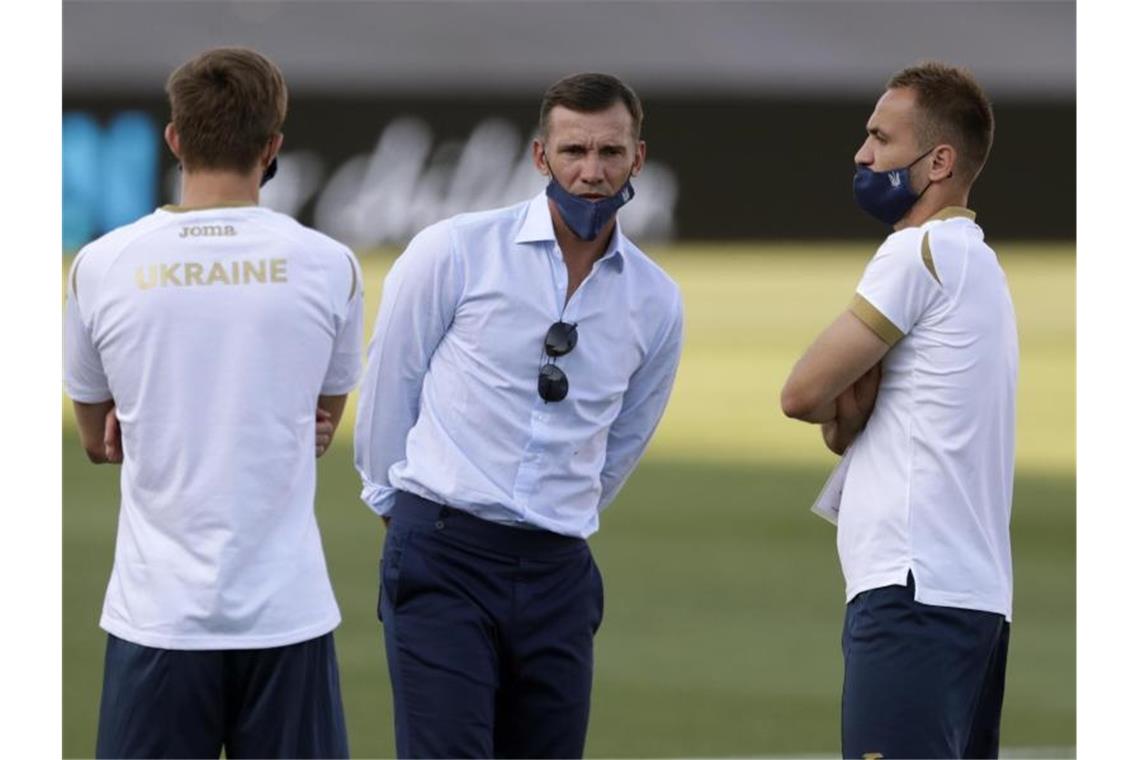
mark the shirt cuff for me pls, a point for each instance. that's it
(380, 499)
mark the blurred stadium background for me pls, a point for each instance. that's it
(724, 598)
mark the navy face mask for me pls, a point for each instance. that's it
(270, 172)
(584, 217)
(886, 195)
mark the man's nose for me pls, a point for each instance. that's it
(592, 169)
(864, 156)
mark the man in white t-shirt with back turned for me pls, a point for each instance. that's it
(219, 333)
(915, 385)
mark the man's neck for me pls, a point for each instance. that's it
(206, 189)
(930, 204)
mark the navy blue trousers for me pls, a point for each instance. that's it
(489, 631)
(921, 681)
(279, 702)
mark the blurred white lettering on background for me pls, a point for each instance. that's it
(408, 182)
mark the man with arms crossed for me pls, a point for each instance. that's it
(521, 360)
(925, 508)
(215, 330)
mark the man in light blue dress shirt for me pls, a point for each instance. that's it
(521, 361)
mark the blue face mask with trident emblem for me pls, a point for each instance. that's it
(586, 218)
(886, 195)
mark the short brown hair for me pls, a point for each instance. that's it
(953, 108)
(226, 104)
(589, 93)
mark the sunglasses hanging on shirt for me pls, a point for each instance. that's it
(553, 385)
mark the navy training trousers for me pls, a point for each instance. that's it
(489, 631)
(277, 702)
(921, 681)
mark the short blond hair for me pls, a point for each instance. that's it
(952, 108)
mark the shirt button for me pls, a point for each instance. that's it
(439, 524)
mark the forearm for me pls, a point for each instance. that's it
(820, 415)
(842, 353)
(91, 421)
(334, 406)
(421, 294)
(386, 412)
(643, 406)
(618, 467)
(385, 416)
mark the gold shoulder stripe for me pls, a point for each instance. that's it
(352, 266)
(928, 258)
(874, 319)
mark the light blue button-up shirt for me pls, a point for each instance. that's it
(449, 406)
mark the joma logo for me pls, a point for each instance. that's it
(208, 230)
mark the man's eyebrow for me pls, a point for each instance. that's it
(876, 132)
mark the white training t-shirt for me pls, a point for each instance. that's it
(930, 485)
(215, 330)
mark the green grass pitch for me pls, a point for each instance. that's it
(724, 601)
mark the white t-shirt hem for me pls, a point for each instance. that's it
(246, 641)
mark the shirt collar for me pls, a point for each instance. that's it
(950, 212)
(538, 227)
(176, 209)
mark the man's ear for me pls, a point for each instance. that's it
(638, 159)
(538, 155)
(944, 159)
(272, 149)
(172, 141)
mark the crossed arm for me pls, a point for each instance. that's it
(835, 382)
(102, 439)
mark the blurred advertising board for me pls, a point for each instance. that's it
(373, 171)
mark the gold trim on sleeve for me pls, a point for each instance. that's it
(928, 258)
(866, 313)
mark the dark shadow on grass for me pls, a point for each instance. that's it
(724, 603)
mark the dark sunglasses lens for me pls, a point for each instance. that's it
(552, 383)
(561, 339)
